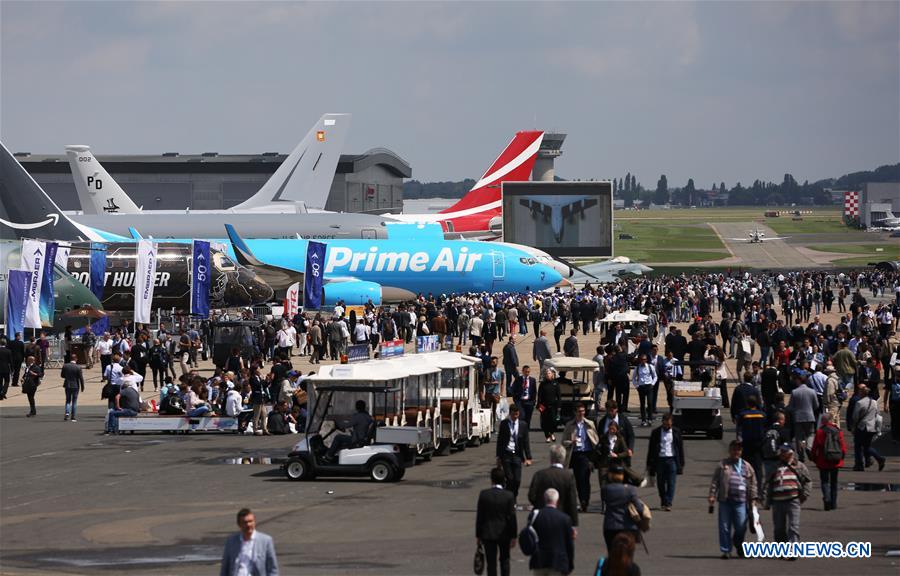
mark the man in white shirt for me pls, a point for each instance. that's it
(249, 552)
(286, 338)
(104, 349)
(644, 379)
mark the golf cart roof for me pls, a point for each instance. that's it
(371, 371)
(447, 359)
(562, 363)
(414, 365)
(344, 386)
(626, 316)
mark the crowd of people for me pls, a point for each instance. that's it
(799, 384)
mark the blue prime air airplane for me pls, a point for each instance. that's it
(415, 258)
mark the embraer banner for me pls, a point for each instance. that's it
(313, 279)
(144, 281)
(18, 283)
(48, 302)
(200, 279)
(33, 252)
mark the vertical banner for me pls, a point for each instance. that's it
(48, 302)
(98, 270)
(62, 256)
(144, 280)
(312, 281)
(33, 252)
(98, 281)
(17, 287)
(200, 279)
(292, 300)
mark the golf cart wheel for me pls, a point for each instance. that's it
(400, 474)
(298, 469)
(443, 447)
(382, 471)
(715, 434)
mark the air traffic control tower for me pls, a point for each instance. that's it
(551, 148)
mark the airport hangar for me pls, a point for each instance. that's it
(212, 181)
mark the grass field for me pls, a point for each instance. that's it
(667, 241)
(867, 252)
(684, 235)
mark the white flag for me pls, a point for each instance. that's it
(144, 280)
(62, 256)
(33, 252)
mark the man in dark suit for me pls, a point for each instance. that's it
(555, 552)
(17, 347)
(511, 362)
(744, 391)
(570, 346)
(5, 368)
(495, 523)
(541, 350)
(513, 449)
(73, 383)
(665, 459)
(524, 393)
(559, 478)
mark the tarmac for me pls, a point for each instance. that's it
(769, 254)
(73, 501)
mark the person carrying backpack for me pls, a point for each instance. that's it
(828, 453)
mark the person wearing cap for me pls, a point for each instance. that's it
(786, 489)
(734, 487)
(833, 395)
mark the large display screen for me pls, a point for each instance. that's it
(560, 218)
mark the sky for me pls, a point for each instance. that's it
(716, 91)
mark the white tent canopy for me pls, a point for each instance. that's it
(626, 316)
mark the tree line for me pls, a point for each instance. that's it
(759, 193)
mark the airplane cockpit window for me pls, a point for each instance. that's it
(223, 262)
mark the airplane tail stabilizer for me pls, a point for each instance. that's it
(98, 193)
(513, 165)
(27, 212)
(306, 174)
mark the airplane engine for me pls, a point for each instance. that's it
(496, 224)
(352, 292)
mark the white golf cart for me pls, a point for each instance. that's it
(421, 399)
(333, 394)
(576, 384)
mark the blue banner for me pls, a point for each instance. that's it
(357, 353)
(428, 343)
(200, 279)
(313, 279)
(48, 302)
(98, 280)
(17, 286)
(98, 270)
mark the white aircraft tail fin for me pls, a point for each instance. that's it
(306, 174)
(98, 193)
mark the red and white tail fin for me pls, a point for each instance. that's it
(514, 165)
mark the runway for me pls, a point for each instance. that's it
(766, 255)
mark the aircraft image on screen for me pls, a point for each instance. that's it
(563, 218)
(557, 209)
(756, 236)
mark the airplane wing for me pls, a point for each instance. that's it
(536, 207)
(738, 239)
(578, 207)
(767, 238)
